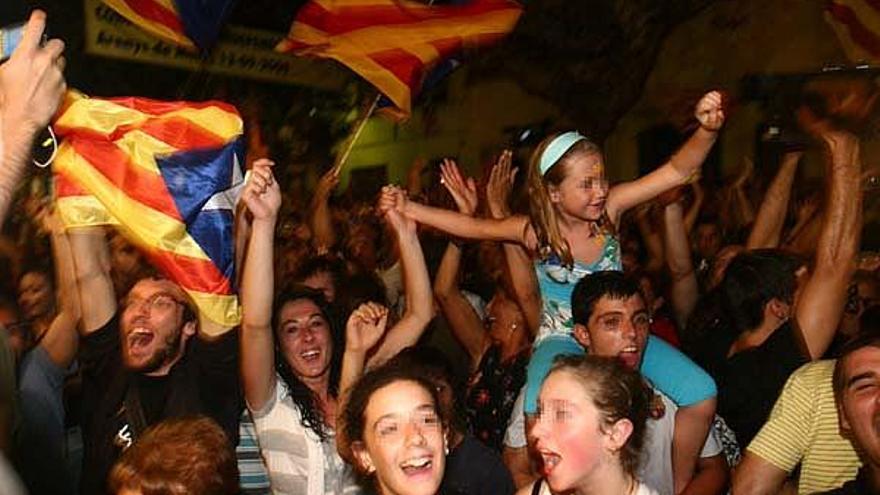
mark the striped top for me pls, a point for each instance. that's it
(299, 463)
(253, 478)
(803, 428)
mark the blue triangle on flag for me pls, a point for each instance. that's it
(202, 19)
(193, 178)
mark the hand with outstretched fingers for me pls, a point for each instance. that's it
(500, 185)
(463, 190)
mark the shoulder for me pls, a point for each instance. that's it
(643, 489)
(815, 373)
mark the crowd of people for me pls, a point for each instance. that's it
(657, 336)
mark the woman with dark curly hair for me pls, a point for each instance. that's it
(291, 352)
(397, 431)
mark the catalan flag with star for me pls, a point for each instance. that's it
(393, 44)
(168, 175)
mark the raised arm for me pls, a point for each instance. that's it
(91, 257)
(803, 235)
(463, 320)
(821, 303)
(767, 230)
(693, 213)
(61, 339)
(683, 166)
(31, 87)
(651, 238)
(524, 284)
(363, 331)
(323, 233)
(513, 229)
(417, 290)
(262, 197)
(684, 290)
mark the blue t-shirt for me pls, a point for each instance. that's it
(668, 369)
(40, 437)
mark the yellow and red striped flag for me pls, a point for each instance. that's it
(857, 25)
(393, 43)
(168, 175)
(189, 23)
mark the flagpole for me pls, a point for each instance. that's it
(359, 127)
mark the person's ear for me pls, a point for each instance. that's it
(779, 309)
(618, 434)
(553, 193)
(582, 335)
(363, 458)
(189, 329)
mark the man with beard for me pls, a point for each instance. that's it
(144, 360)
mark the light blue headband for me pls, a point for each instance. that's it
(554, 151)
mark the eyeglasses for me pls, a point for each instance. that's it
(160, 301)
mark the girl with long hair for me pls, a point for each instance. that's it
(570, 232)
(291, 351)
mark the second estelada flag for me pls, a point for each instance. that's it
(168, 174)
(394, 43)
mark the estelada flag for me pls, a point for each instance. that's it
(168, 175)
(394, 43)
(187, 23)
(857, 25)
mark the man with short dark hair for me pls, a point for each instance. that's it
(856, 383)
(144, 362)
(611, 319)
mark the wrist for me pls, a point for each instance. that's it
(355, 355)
(264, 223)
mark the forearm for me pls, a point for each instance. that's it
(710, 479)
(693, 213)
(323, 233)
(685, 290)
(690, 157)
(242, 234)
(524, 284)
(419, 301)
(767, 230)
(258, 278)
(91, 258)
(744, 206)
(653, 244)
(839, 238)
(463, 321)
(692, 425)
(468, 227)
(16, 153)
(446, 278)
(61, 340)
(417, 282)
(352, 369)
(756, 476)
